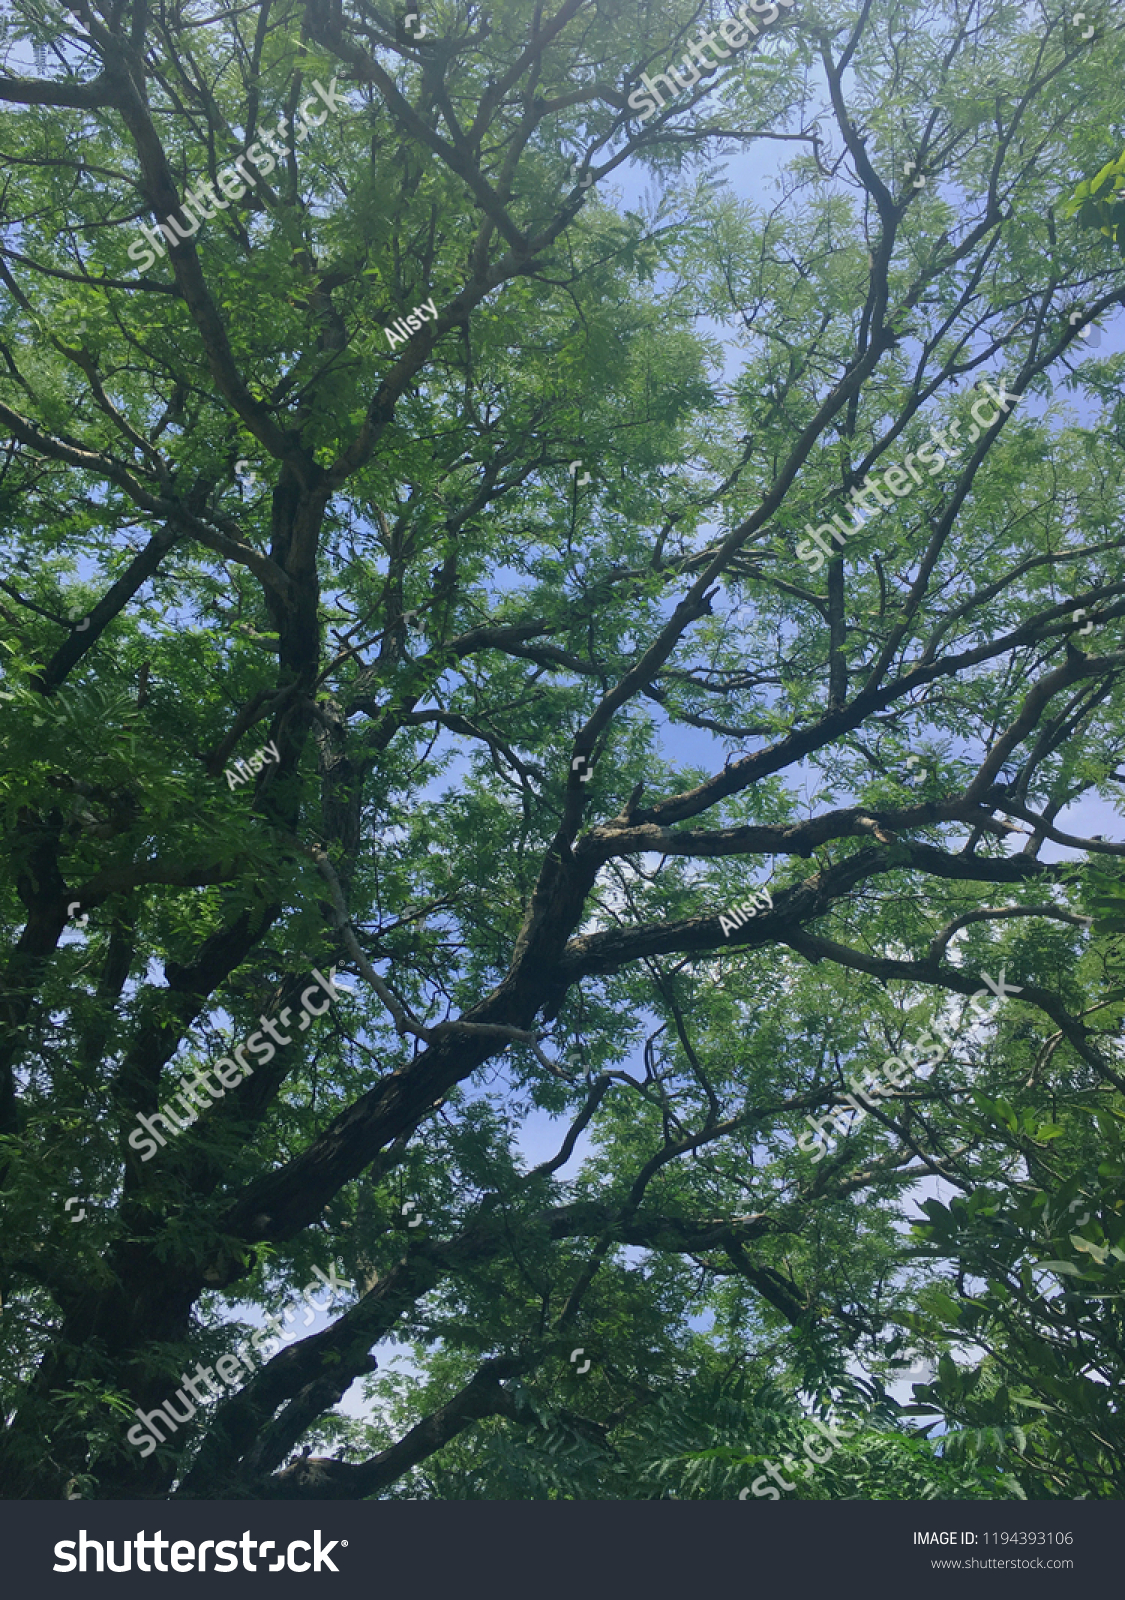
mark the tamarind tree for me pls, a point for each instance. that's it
(515, 597)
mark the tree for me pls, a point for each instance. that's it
(1097, 201)
(1040, 1275)
(529, 628)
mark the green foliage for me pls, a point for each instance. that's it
(1097, 202)
(1041, 1276)
(560, 1114)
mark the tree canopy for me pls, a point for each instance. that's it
(440, 568)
